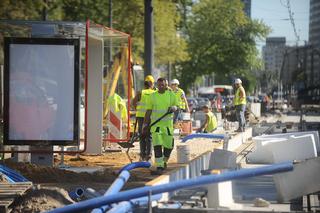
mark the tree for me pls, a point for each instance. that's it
(128, 17)
(221, 40)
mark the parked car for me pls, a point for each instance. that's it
(202, 102)
(192, 103)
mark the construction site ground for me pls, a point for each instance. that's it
(94, 171)
(98, 172)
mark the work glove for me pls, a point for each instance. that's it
(172, 109)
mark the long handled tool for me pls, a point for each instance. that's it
(136, 137)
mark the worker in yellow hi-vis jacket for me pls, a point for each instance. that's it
(211, 123)
(240, 102)
(160, 102)
(140, 104)
(183, 103)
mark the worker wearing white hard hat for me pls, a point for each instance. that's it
(183, 103)
(240, 104)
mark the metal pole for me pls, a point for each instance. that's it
(45, 11)
(148, 37)
(169, 71)
(312, 71)
(110, 41)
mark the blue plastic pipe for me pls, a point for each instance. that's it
(12, 174)
(120, 181)
(127, 206)
(202, 180)
(135, 165)
(122, 207)
(202, 135)
(117, 185)
(76, 194)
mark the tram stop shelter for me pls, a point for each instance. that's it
(60, 80)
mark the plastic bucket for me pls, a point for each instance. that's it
(185, 116)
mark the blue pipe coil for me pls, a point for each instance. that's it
(12, 174)
(134, 165)
(203, 135)
(202, 180)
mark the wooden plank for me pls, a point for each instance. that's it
(6, 202)
(16, 184)
(9, 191)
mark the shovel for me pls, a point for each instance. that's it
(135, 136)
(129, 144)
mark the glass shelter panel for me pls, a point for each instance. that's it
(117, 83)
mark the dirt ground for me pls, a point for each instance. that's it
(52, 184)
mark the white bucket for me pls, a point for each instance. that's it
(185, 116)
(196, 123)
(183, 154)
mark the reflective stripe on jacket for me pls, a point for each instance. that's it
(159, 104)
(142, 104)
(180, 96)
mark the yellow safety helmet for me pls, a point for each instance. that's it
(149, 78)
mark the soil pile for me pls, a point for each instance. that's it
(40, 200)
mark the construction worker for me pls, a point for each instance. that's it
(240, 104)
(140, 102)
(183, 103)
(211, 123)
(160, 102)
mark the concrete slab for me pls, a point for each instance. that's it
(287, 135)
(304, 179)
(284, 148)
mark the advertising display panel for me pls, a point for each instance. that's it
(41, 91)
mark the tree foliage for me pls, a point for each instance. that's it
(221, 40)
(128, 16)
(197, 37)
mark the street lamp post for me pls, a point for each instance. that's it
(148, 37)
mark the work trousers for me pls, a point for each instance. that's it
(240, 109)
(162, 155)
(145, 142)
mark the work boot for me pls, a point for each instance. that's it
(239, 130)
(148, 158)
(158, 171)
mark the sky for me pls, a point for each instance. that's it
(276, 16)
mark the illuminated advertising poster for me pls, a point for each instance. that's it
(41, 91)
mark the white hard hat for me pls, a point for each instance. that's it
(175, 81)
(237, 81)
